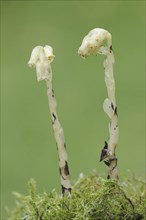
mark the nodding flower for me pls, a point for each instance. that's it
(41, 57)
(93, 41)
(99, 41)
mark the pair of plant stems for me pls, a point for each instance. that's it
(93, 43)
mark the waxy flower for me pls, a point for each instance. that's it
(41, 57)
(93, 41)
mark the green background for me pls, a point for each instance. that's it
(28, 147)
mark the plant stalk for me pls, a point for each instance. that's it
(60, 141)
(110, 108)
(41, 58)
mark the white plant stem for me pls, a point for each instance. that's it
(60, 141)
(93, 44)
(41, 58)
(110, 108)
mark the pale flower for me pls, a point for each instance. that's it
(93, 41)
(41, 57)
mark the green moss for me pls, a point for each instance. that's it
(92, 198)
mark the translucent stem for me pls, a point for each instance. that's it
(60, 141)
(110, 108)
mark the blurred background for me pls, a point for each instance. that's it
(28, 148)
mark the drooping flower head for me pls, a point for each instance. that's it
(93, 41)
(41, 57)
